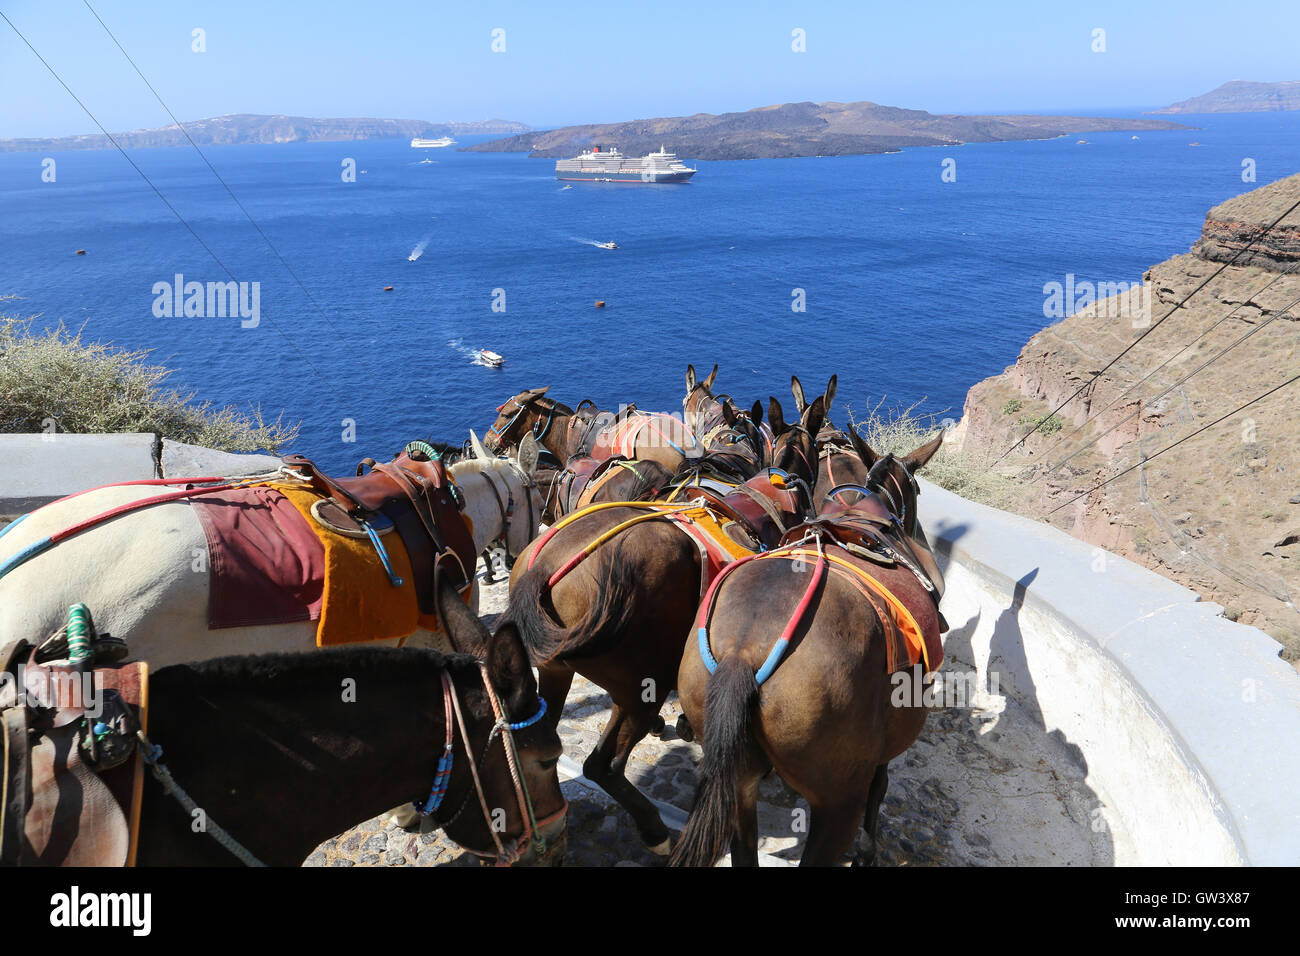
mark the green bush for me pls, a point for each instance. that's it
(1047, 424)
(1013, 406)
(965, 473)
(55, 377)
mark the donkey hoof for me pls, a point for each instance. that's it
(684, 729)
(662, 849)
(658, 727)
(404, 818)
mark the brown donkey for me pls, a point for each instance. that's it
(812, 701)
(620, 616)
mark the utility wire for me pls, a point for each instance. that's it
(203, 156)
(1148, 402)
(166, 202)
(1138, 384)
(1096, 375)
(1141, 462)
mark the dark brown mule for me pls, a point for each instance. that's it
(620, 617)
(720, 425)
(278, 753)
(643, 436)
(823, 718)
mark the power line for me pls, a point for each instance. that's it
(1239, 408)
(158, 192)
(1077, 392)
(1147, 402)
(247, 215)
(1138, 384)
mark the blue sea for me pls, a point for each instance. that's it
(914, 288)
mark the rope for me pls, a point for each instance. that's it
(151, 754)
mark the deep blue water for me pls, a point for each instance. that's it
(916, 289)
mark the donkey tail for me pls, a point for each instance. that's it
(729, 702)
(599, 629)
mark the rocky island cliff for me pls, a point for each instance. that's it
(1219, 513)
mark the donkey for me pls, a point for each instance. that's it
(280, 759)
(816, 705)
(641, 436)
(620, 617)
(138, 570)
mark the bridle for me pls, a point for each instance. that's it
(506, 508)
(520, 408)
(506, 854)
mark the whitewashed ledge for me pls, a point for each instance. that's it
(36, 469)
(1189, 724)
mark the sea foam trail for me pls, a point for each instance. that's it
(419, 248)
(469, 353)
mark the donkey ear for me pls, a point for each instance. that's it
(729, 413)
(510, 671)
(796, 388)
(775, 417)
(812, 419)
(463, 628)
(756, 413)
(830, 392)
(690, 379)
(708, 382)
(525, 397)
(529, 452)
(864, 451)
(479, 450)
(922, 455)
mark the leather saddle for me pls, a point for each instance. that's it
(70, 769)
(414, 495)
(757, 505)
(866, 528)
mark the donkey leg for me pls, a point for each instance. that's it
(553, 683)
(830, 834)
(866, 853)
(605, 765)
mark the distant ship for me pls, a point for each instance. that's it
(611, 166)
(418, 143)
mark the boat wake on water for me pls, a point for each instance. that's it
(479, 357)
(419, 248)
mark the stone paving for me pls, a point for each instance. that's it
(984, 785)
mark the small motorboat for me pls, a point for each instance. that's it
(490, 358)
(607, 245)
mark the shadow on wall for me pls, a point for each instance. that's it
(1008, 673)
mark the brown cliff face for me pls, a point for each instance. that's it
(1214, 512)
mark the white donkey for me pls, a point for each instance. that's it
(136, 572)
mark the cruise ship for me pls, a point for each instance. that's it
(610, 166)
(418, 143)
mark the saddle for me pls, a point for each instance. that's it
(756, 506)
(413, 495)
(70, 770)
(867, 530)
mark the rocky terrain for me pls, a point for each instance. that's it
(251, 128)
(1241, 96)
(804, 129)
(1219, 513)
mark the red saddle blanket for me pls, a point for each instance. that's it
(266, 563)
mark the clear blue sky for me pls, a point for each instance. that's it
(592, 61)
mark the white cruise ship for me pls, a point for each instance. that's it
(418, 143)
(610, 166)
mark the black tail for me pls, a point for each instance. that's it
(728, 706)
(597, 631)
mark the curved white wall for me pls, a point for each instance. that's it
(1189, 724)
